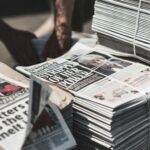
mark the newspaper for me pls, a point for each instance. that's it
(13, 114)
(87, 75)
(111, 97)
(49, 130)
(120, 53)
(18, 125)
(77, 50)
(123, 26)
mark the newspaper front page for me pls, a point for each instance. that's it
(106, 89)
(87, 76)
(34, 129)
(13, 114)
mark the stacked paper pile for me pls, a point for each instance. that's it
(63, 101)
(117, 118)
(110, 98)
(120, 24)
(114, 113)
(67, 114)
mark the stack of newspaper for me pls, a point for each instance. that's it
(42, 127)
(117, 117)
(63, 100)
(124, 26)
(111, 97)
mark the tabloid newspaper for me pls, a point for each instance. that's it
(126, 34)
(90, 73)
(111, 96)
(32, 123)
(13, 113)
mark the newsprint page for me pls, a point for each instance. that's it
(28, 120)
(111, 96)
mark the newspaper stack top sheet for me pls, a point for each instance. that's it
(111, 95)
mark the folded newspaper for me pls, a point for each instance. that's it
(111, 97)
(47, 127)
(123, 26)
(42, 127)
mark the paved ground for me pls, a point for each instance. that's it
(30, 23)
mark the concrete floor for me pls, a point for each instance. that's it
(30, 23)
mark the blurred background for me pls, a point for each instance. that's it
(30, 14)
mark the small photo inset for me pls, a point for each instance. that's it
(92, 60)
(7, 89)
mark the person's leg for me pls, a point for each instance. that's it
(18, 43)
(60, 41)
